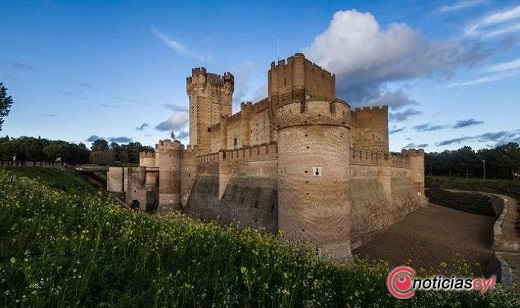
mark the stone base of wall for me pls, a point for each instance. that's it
(372, 211)
(247, 202)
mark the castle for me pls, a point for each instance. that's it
(300, 160)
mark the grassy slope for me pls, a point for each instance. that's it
(510, 188)
(468, 202)
(61, 249)
(60, 179)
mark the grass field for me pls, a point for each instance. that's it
(506, 187)
(61, 248)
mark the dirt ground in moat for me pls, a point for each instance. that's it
(432, 235)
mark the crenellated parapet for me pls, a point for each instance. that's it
(313, 113)
(168, 144)
(201, 78)
(412, 153)
(147, 159)
(371, 109)
(296, 78)
(364, 157)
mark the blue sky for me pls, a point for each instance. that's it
(449, 70)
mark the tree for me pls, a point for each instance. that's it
(99, 145)
(5, 103)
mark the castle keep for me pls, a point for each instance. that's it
(301, 160)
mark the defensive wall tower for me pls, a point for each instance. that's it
(313, 175)
(416, 158)
(146, 159)
(370, 129)
(169, 162)
(297, 78)
(210, 98)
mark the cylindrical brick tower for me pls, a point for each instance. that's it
(416, 158)
(169, 162)
(313, 175)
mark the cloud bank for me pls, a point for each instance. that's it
(366, 58)
(177, 122)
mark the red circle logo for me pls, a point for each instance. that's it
(400, 282)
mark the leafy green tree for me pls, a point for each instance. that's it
(5, 103)
(55, 150)
(99, 145)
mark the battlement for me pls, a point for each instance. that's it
(313, 113)
(147, 159)
(247, 154)
(167, 144)
(200, 76)
(254, 153)
(300, 57)
(412, 153)
(363, 157)
(198, 71)
(260, 105)
(298, 77)
(371, 108)
(191, 148)
(146, 155)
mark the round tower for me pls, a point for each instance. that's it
(416, 158)
(168, 159)
(313, 175)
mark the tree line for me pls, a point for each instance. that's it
(18, 151)
(501, 162)
(104, 153)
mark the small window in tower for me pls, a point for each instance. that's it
(285, 81)
(235, 142)
(209, 129)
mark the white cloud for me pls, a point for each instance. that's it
(174, 44)
(460, 5)
(484, 79)
(177, 122)
(396, 99)
(365, 57)
(505, 66)
(495, 24)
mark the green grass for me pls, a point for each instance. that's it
(468, 202)
(62, 249)
(506, 187)
(61, 179)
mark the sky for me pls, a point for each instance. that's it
(82, 70)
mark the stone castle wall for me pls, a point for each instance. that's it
(301, 161)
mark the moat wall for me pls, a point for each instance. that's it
(244, 192)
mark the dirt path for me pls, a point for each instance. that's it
(433, 235)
